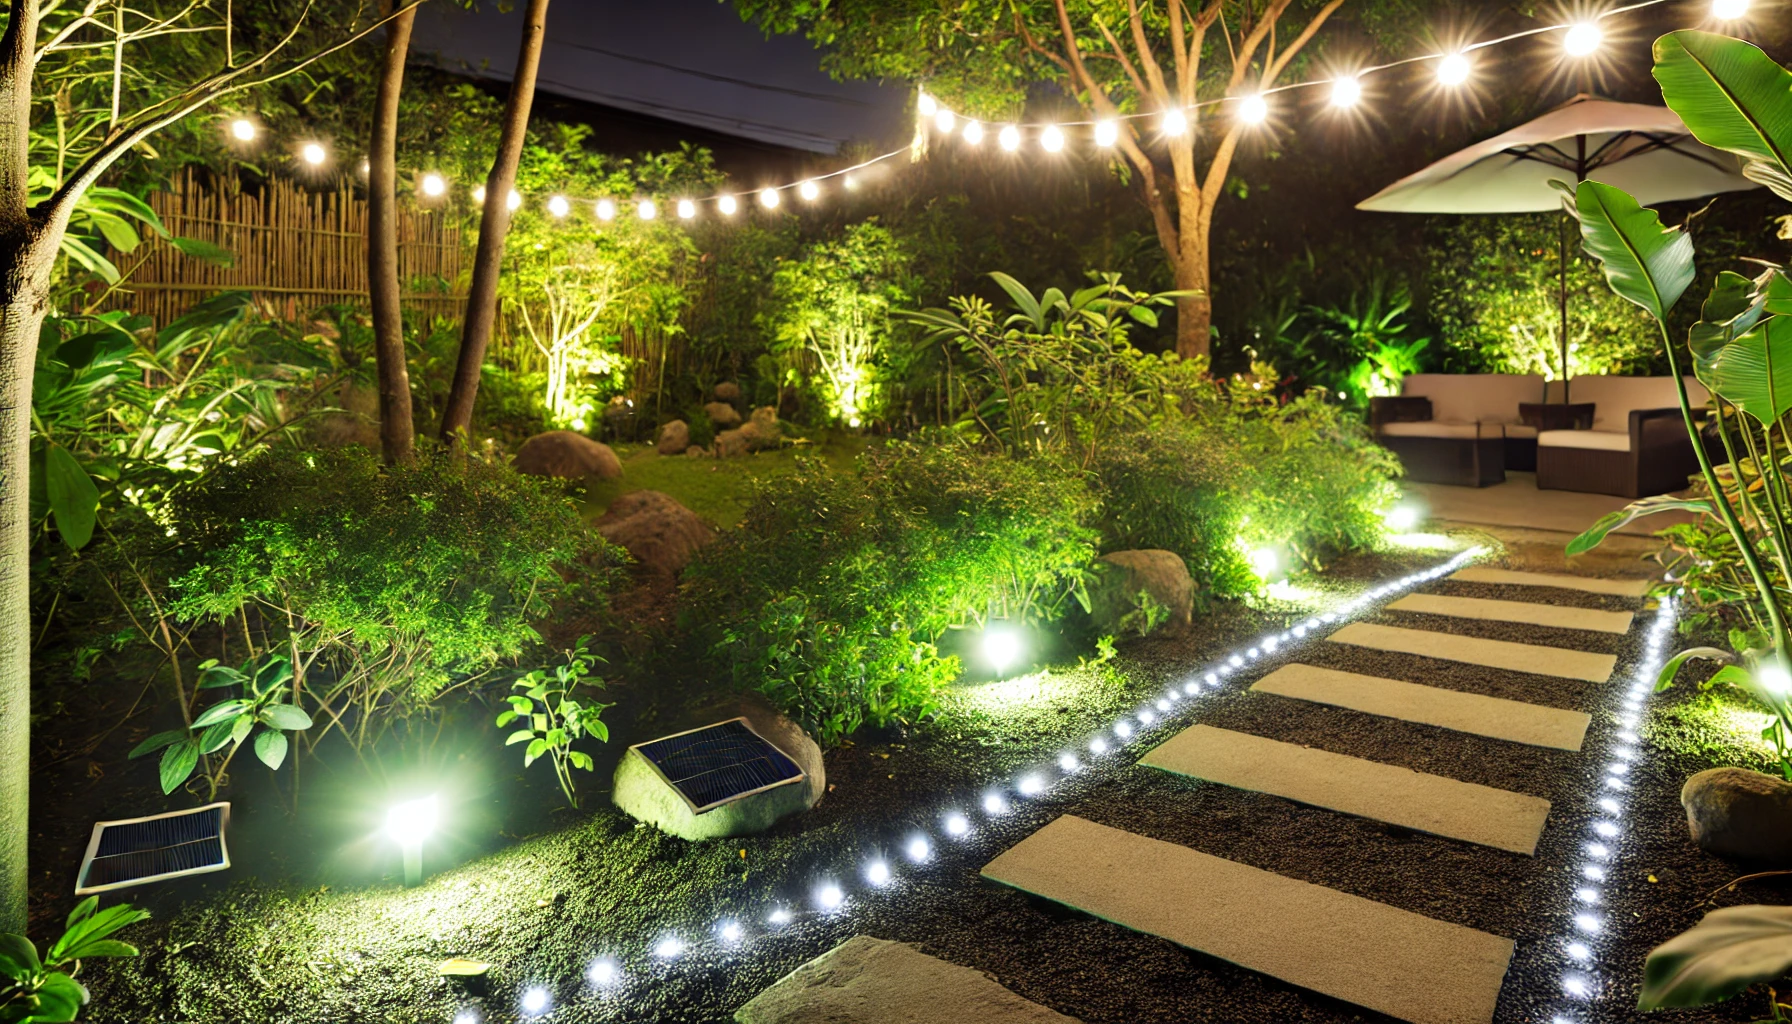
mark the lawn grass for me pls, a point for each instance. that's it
(717, 489)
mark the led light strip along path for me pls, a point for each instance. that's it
(1377, 955)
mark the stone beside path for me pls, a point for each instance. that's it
(1493, 717)
(1584, 584)
(1501, 654)
(873, 981)
(1399, 796)
(1523, 612)
(1376, 956)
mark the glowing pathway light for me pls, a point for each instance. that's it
(918, 849)
(1401, 518)
(1001, 648)
(829, 897)
(669, 948)
(957, 824)
(1265, 563)
(409, 824)
(877, 873)
(535, 1001)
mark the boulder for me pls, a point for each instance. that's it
(722, 415)
(697, 451)
(661, 534)
(765, 418)
(757, 434)
(1124, 577)
(727, 391)
(1733, 812)
(730, 443)
(643, 794)
(358, 422)
(563, 453)
(675, 437)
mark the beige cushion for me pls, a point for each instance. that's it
(1521, 430)
(1475, 397)
(1433, 428)
(1613, 398)
(1603, 440)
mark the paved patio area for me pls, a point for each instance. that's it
(1518, 503)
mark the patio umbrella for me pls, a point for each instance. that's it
(1641, 149)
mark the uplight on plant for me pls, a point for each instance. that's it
(1402, 518)
(1001, 648)
(409, 824)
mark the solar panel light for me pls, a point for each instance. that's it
(409, 824)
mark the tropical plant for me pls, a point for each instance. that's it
(41, 988)
(1366, 334)
(1728, 951)
(556, 717)
(264, 710)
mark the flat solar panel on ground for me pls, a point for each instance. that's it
(139, 850)
(718, 763)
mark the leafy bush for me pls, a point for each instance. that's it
(553, 716)
(43, 988)
(382, 584)
(830, 596)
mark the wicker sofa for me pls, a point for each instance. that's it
(1452, 428)
(1637, 447)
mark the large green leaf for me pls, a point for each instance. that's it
(1753, 372)
(1644, 262)
(18, 957)
(270, 746)
(59, 1000)
(74, 500)
(286, 716)
(178, 762)
(1731, 95)
(1596, 533)
(1726, 952)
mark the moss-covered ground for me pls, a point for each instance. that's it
(717, 489)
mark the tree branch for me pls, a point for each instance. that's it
(1301, 40)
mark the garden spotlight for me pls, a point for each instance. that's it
(1401, 518)
(1265, 563)
(1001, 648)
(409, 824)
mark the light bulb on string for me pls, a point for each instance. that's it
(1729, 10)
(433, 185)
(973, 132)
(1582, 39)
(512, 201)
(1009, 137)
(768, 198)
(1107, 132)
(606, 209)
(243, 130)
(686, 209)
(1175, 122)
(646, 210)
(1253, 109)
(809, 191)
(559, 207)
(1346, 91)
(479, 193)
(943, 120)
(1051, 140)
(1453, 69)
(925, 105)
(728, 205)
(313, 154)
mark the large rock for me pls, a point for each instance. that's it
(1123, 577)
(357, 422)
(563, 453)
(727, 391)
(757, 434)
(661, 534)
(722, 415)
(639, 791)
(1733, 812)
(875, 981)
(675, 437)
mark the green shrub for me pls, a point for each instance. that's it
(829, 597)
(1177, 489)
(383, 584)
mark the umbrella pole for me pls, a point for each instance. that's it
(1562, 295)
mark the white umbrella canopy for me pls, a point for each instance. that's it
(1641, 149)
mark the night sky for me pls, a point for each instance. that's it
(689, 61)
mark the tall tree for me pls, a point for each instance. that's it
(494, 224)
(1115, 57)
(33, 224)
(397, 435)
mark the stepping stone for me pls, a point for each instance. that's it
(1495, 717)
(1369, 789)
(1383, 958)
(1516, 611)
(872, 981)
(1585, 584)
(1471, 650)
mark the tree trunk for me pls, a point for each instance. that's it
(25, 262)
(1194, 313)
(397, 435)
(482, 296)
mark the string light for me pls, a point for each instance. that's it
(1107, 132)
(1582, 39)
(925, 105)
(1729, 10)
(313, 154)
(1346, 92)
(646, 210)
(973, 132)
(768, 198)
(1009, 138)
(1453, 69)
(1051, 140)
(512, 201)
(479, 194)
(686, 209)
(809, 191)
(943, 120)
(728, 205)
(1253, 109)
(433, 185)
(559, 207)
(242, 130)
(606, 209)
(1175, 121)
